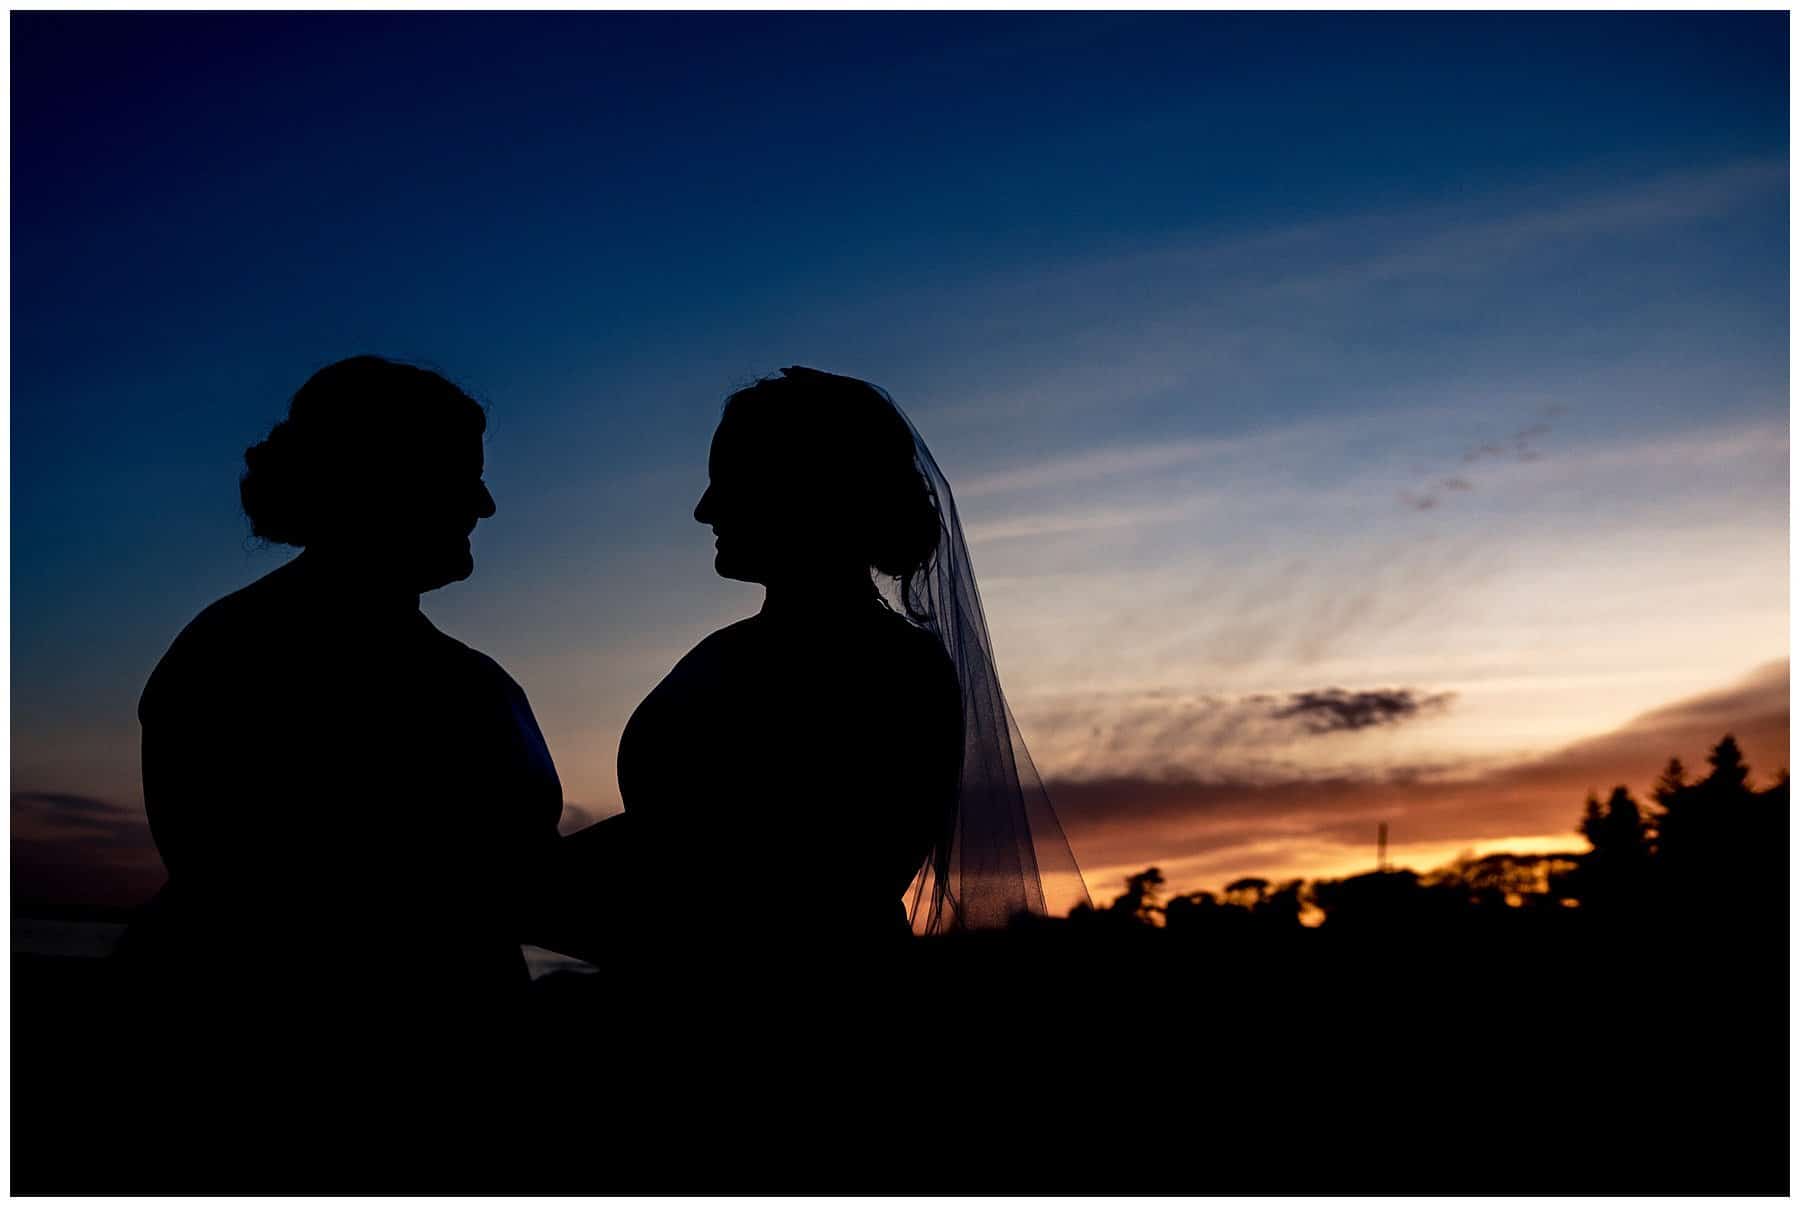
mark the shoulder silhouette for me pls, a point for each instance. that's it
(800, 764)
(333, 784)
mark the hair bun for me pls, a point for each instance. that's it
(271, 489)
(350, 424)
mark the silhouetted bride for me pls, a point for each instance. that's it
(345, 798)
(842, 765)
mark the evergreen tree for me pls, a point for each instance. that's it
(1730, 774)
(1612, 874)
(1670, 784)
(1710, 830)
(1617, 829)
(1670, 791)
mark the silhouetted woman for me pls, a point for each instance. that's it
(840, 767)
(347, 800)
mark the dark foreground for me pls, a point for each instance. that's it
(1568, 1061)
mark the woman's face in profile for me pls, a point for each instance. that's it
(772, 514)
(434, 510)
(738, 507)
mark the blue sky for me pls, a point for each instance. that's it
(1266, 352)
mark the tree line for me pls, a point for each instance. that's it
(1704, 851)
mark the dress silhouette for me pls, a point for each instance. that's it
(798, 763)
(840, 768)
(348, 801)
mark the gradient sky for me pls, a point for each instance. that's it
(1440, 356)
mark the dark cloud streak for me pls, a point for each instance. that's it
(1335, 710)
(1520, 446)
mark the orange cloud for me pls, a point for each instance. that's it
(1203, 833)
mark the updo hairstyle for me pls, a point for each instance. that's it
(852, 445)
(355, 428)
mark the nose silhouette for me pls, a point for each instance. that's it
(486, 507)
(703, 509)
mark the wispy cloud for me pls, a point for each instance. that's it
(1254, 737)
(1064, 521)
(1210, 315)
(1522, 445)
(1098, 464)
(1207, 830)
(68, 815)
(1440, 242)
(69, 848)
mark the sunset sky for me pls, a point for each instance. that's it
(1355, 417)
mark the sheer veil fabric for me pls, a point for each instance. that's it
(1000, 852)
